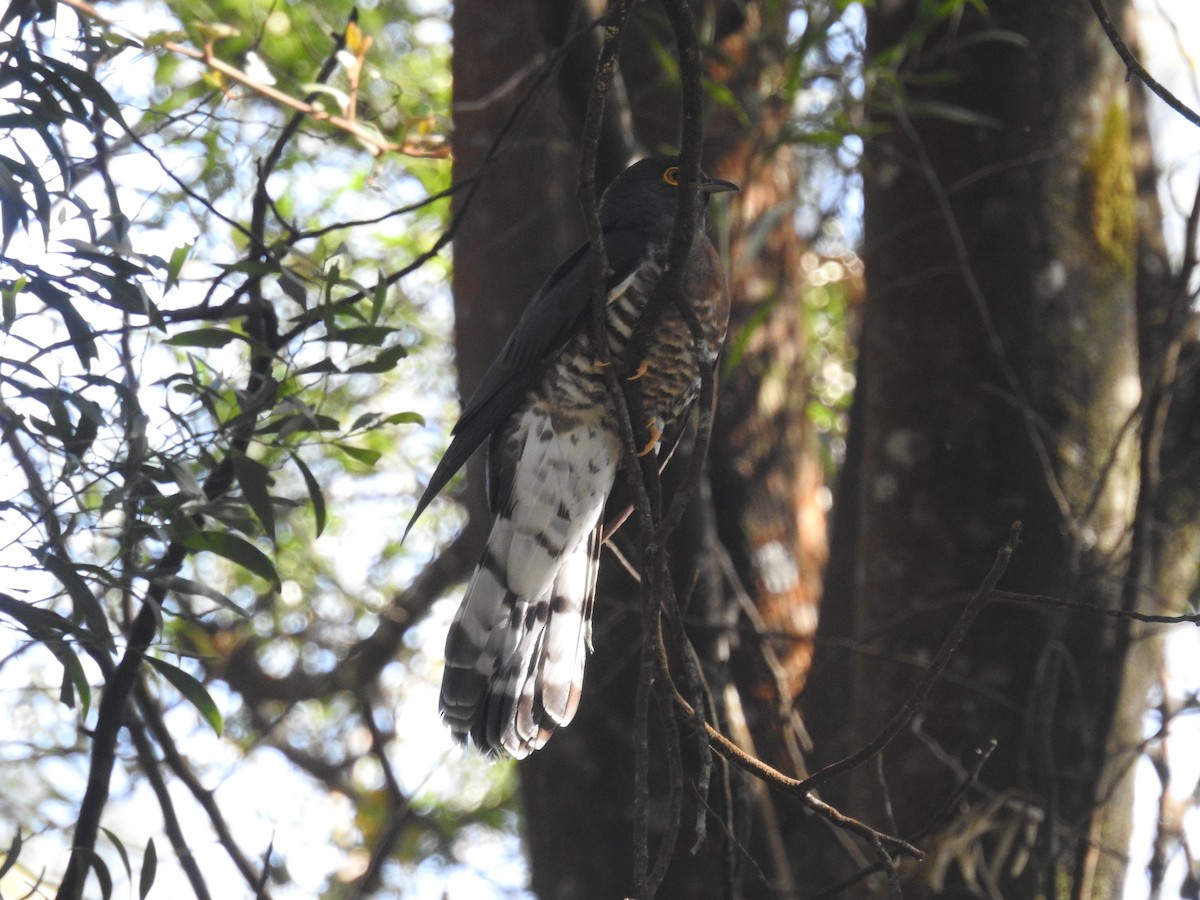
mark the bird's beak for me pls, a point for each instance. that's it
(718, 186)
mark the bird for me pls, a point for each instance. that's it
(516, 649)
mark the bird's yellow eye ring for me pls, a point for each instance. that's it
(671, 176)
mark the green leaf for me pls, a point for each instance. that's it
(98, 866)
(378, 297)
(83, 341)
(14, 211)
(384, 361)
(340, 98)
(149, 868)
(180, 585)
(293, 286)
(42, 624)
(183, 478)
(235, 549)
(373, 335)
(254, 265)
(129, 297)
(721, 95)
(116, 842)
(320, 367)
(89, 87)
(361, 454)
(178, 257)
(84, 603)
(203, 337)
(255, 479)
(951, 112)
(993, 35)
(294, 422)
(404, 418)
(10, 300)
(11, 854)
(192, 691)
(314, 493)
(73, 679)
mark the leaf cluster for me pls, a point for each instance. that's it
(195, 347)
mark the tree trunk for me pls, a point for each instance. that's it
(1000, 367)
(578, 792)
(999, 370)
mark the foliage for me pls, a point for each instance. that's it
(221, 242)
(223, 311)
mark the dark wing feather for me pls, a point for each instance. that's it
(556, 314)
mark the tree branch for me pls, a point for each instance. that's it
(152, 718)
(904, 715)
(187, 860)
(794, 787)
(1135, 68)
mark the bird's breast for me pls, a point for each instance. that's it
(650, 345)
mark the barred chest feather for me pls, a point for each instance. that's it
(574, 391)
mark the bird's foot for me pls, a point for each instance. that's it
(655, 436)
(641, 370)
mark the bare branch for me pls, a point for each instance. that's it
(904, 715)
(1135, 68)
(1082, 606)
(152, 718)
(150, 767)
(398, 805)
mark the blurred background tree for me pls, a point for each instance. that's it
(227, 232)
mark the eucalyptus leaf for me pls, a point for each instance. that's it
(255, 481)
(192, 690)
(149, 870)
(314, 492)
(235, 549)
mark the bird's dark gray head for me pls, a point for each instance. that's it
(649, 190)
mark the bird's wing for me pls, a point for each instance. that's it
(557, 313)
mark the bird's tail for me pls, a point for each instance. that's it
(514, 663)
(516, 650)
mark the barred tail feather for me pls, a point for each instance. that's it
(514, 666)
(478, 636)
(569, 633)
(516, 651)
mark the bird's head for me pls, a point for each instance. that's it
(651, 188)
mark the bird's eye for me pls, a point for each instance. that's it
(671, 176)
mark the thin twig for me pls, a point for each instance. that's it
(152, 718)
(470, 185)
(374, 140)
(150, 766)
(794, 787)
(398, 804)
(982, 755)
(306, 108)
(1082, 606)
(904, 715)
(1135, 68)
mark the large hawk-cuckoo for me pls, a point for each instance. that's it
(516, 650)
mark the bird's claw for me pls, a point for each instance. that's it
(655, 436)
(641, 370)
(601, 363)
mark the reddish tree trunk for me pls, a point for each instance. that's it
(578, 791)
